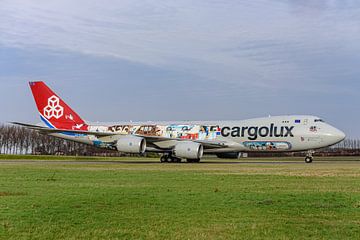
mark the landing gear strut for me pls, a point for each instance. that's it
(169, 158)
(309, 157)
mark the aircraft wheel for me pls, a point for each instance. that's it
(308, 159)
(193, 160)
(163, 159)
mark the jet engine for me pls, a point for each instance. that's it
(131, 144)
(188, 150)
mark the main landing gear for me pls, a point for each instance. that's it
(193, 160)
(309, 157)
(168, 158)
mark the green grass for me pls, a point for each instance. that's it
(52, 157)
(179, 201)
(206, 158)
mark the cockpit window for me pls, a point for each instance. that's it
(319, 120)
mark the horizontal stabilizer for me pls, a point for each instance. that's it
(53, 130)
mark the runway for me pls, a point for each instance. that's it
(140, 162)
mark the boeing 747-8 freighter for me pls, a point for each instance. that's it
(185, 140)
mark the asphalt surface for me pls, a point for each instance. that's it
(79, 162)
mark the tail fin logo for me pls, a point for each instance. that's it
(53, 109)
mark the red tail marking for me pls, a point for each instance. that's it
(54, 110)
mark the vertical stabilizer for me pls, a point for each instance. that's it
(54, 112)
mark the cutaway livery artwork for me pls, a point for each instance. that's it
(268, 146)
(190, 132)
(184, 140)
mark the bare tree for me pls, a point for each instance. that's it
(18, 140)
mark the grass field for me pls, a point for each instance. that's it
(125, 199)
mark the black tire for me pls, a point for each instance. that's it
(168, 159)
(193, 160)
(163, 159)
(308, 159)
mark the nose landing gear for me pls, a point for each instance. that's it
(309, 157)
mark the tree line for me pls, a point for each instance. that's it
(351, 144)
(19, 140)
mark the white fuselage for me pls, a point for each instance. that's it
(270, 134)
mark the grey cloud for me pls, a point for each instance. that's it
(227, 53)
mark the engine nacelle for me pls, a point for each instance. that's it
(230, 155)
(131, 144)
(189, 150)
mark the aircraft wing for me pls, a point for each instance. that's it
(206, 144)
(151, 139)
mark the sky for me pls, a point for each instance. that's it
(145, 60)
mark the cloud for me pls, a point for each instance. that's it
(231, 42)
(242, 58)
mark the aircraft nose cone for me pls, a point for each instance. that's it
(340, 135)
(337, 135)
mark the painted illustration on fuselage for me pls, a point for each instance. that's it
(268, 146)
(121, 129)
(182, 131)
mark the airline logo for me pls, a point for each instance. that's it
(252, 133)
(53, 109)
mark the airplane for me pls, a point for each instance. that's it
(176, 141)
